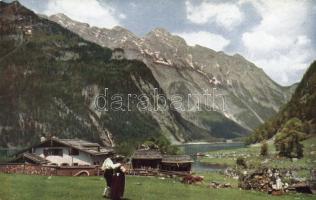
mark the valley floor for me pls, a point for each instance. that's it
(253, 159)
(24, 187)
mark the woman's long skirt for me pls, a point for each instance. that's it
(118, 186)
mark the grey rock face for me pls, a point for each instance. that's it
(250, 96)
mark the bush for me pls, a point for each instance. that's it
(264, 149)
(241, 162)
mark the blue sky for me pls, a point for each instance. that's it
(277, 35)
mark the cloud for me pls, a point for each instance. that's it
(226, 15)
(279, 43)
(89, 11)
(206, 39)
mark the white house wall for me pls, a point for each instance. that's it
(82, 159)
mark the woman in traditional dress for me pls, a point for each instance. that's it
(108, 166)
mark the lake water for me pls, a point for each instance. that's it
(192, 149)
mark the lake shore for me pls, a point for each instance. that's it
(203, 142)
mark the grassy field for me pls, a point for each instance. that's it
(253, 158)
(24, 187)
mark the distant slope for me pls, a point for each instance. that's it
(302, 106)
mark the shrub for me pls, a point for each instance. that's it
(241, 162)
(264, 149)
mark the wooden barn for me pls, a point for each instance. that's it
(177, 163)
(146, 159)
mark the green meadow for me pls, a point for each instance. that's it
(24, 187)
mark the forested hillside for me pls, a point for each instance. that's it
(302, 107)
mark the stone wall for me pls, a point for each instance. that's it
(28, 169)
(45, 170)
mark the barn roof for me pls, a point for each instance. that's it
(147, 154)
(176, 159)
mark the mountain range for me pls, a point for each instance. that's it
(53, 68)
(250, 95)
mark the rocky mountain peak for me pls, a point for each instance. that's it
(15, 4)
(13, 9)
(66, 21)
(62, 16)
(160, 40)
(122, 31)
(159, 32)
(238, 56)
(163, 35)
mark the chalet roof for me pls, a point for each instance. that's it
(176, 159)
(147, 154)
(82, 145)
(79, 142)
(86, 146)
